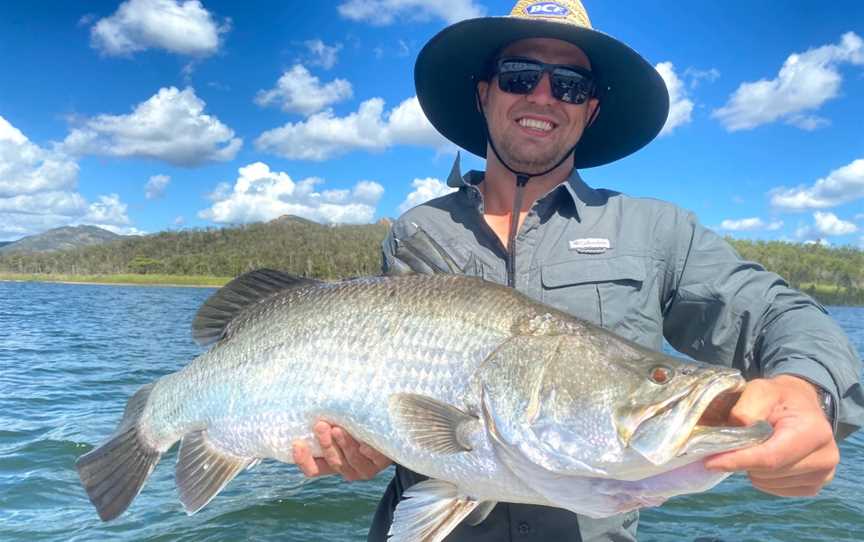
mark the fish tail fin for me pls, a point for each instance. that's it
(114, 473)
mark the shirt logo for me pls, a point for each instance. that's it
(547, 9)
(590, 245)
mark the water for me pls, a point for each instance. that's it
(70, 356)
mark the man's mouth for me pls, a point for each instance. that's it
(537, 125)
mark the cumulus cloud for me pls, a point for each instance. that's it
(184, 28)
(298, 91)
(156, 185)
(830, 224)
(385, 12)
(841, 186)
(424, 190)
(26, 168)
(170, 126)
(680, 106)
(260, 194)
(322, 54)
(324, 135)
(37, 191)
(804, 83)
(696, 76)
(750, 224)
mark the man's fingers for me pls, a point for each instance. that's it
(807, 491)
(308, 465)
(821, 461)
(809, 479)
(756, 403)
(378, 459)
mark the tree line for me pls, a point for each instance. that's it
(302, 247)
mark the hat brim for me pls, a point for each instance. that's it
(633, 108)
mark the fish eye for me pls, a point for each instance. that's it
(660, 374)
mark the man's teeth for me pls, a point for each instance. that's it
(542, 125)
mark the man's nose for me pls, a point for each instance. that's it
(542, 93)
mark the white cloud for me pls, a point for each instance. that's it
(169, 126)
(260, 194)
(298, 91)
(750, 224)
(37, 191)
(323, 135)
(26, 168)
(424, 190)
(156, 185)
(842, 185)
(696, 76)
(179, 27)
(680, 106)
(384, 12)
(322, 54)
(830, 224)
(804, 83)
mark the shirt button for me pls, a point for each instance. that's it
(524, 528)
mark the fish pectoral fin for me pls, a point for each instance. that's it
(429, 511)
(202, 470)
(432, 425)
(480, 513)
(213, 318)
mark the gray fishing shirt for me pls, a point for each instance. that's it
(644, 269)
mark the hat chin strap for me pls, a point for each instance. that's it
(521, 180)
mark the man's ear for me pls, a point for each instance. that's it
(482, 95)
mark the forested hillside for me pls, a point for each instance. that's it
(832, 275)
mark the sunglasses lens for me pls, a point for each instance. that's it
(571, 86)
(518, 77)
(521, 76)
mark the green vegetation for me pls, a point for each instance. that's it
(834, 276)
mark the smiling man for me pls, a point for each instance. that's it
(541, 94)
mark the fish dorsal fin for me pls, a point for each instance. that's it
(421, 254)
(211, 321)
(429, 511)
(202, 470)
(432, 425)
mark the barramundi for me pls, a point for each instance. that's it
(492, 395)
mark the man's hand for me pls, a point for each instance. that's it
(342, 455)
(801, 456)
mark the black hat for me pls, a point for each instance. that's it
(634, 99)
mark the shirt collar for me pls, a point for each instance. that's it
(580, 194)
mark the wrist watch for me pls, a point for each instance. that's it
(826, 401)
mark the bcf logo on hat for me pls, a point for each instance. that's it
(547, 9)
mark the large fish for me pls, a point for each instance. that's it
(492, 395)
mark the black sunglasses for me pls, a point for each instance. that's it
(570, 84)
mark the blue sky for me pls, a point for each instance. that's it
(149, 115)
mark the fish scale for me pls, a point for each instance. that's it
(492, 395)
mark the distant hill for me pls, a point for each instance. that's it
(4, 243)
(65, 238)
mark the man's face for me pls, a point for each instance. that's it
(534, 131)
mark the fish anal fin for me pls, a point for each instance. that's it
(480, 513)
(430, 510)
(211, 321)
(203, 470)
(432, 425)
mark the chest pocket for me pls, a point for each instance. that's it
(602, 291)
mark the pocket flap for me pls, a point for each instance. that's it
(585, 270)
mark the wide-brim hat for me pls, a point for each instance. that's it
(634, 100)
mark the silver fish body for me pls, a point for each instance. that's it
(495, 397)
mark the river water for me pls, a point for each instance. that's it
(71, 355)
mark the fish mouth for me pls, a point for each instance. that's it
(695, 424)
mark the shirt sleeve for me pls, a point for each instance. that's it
(726, 310)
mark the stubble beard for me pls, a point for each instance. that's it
(529, 158)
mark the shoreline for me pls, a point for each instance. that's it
(172, 281)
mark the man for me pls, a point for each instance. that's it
(541, 94)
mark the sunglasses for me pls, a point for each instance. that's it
(570, 84)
